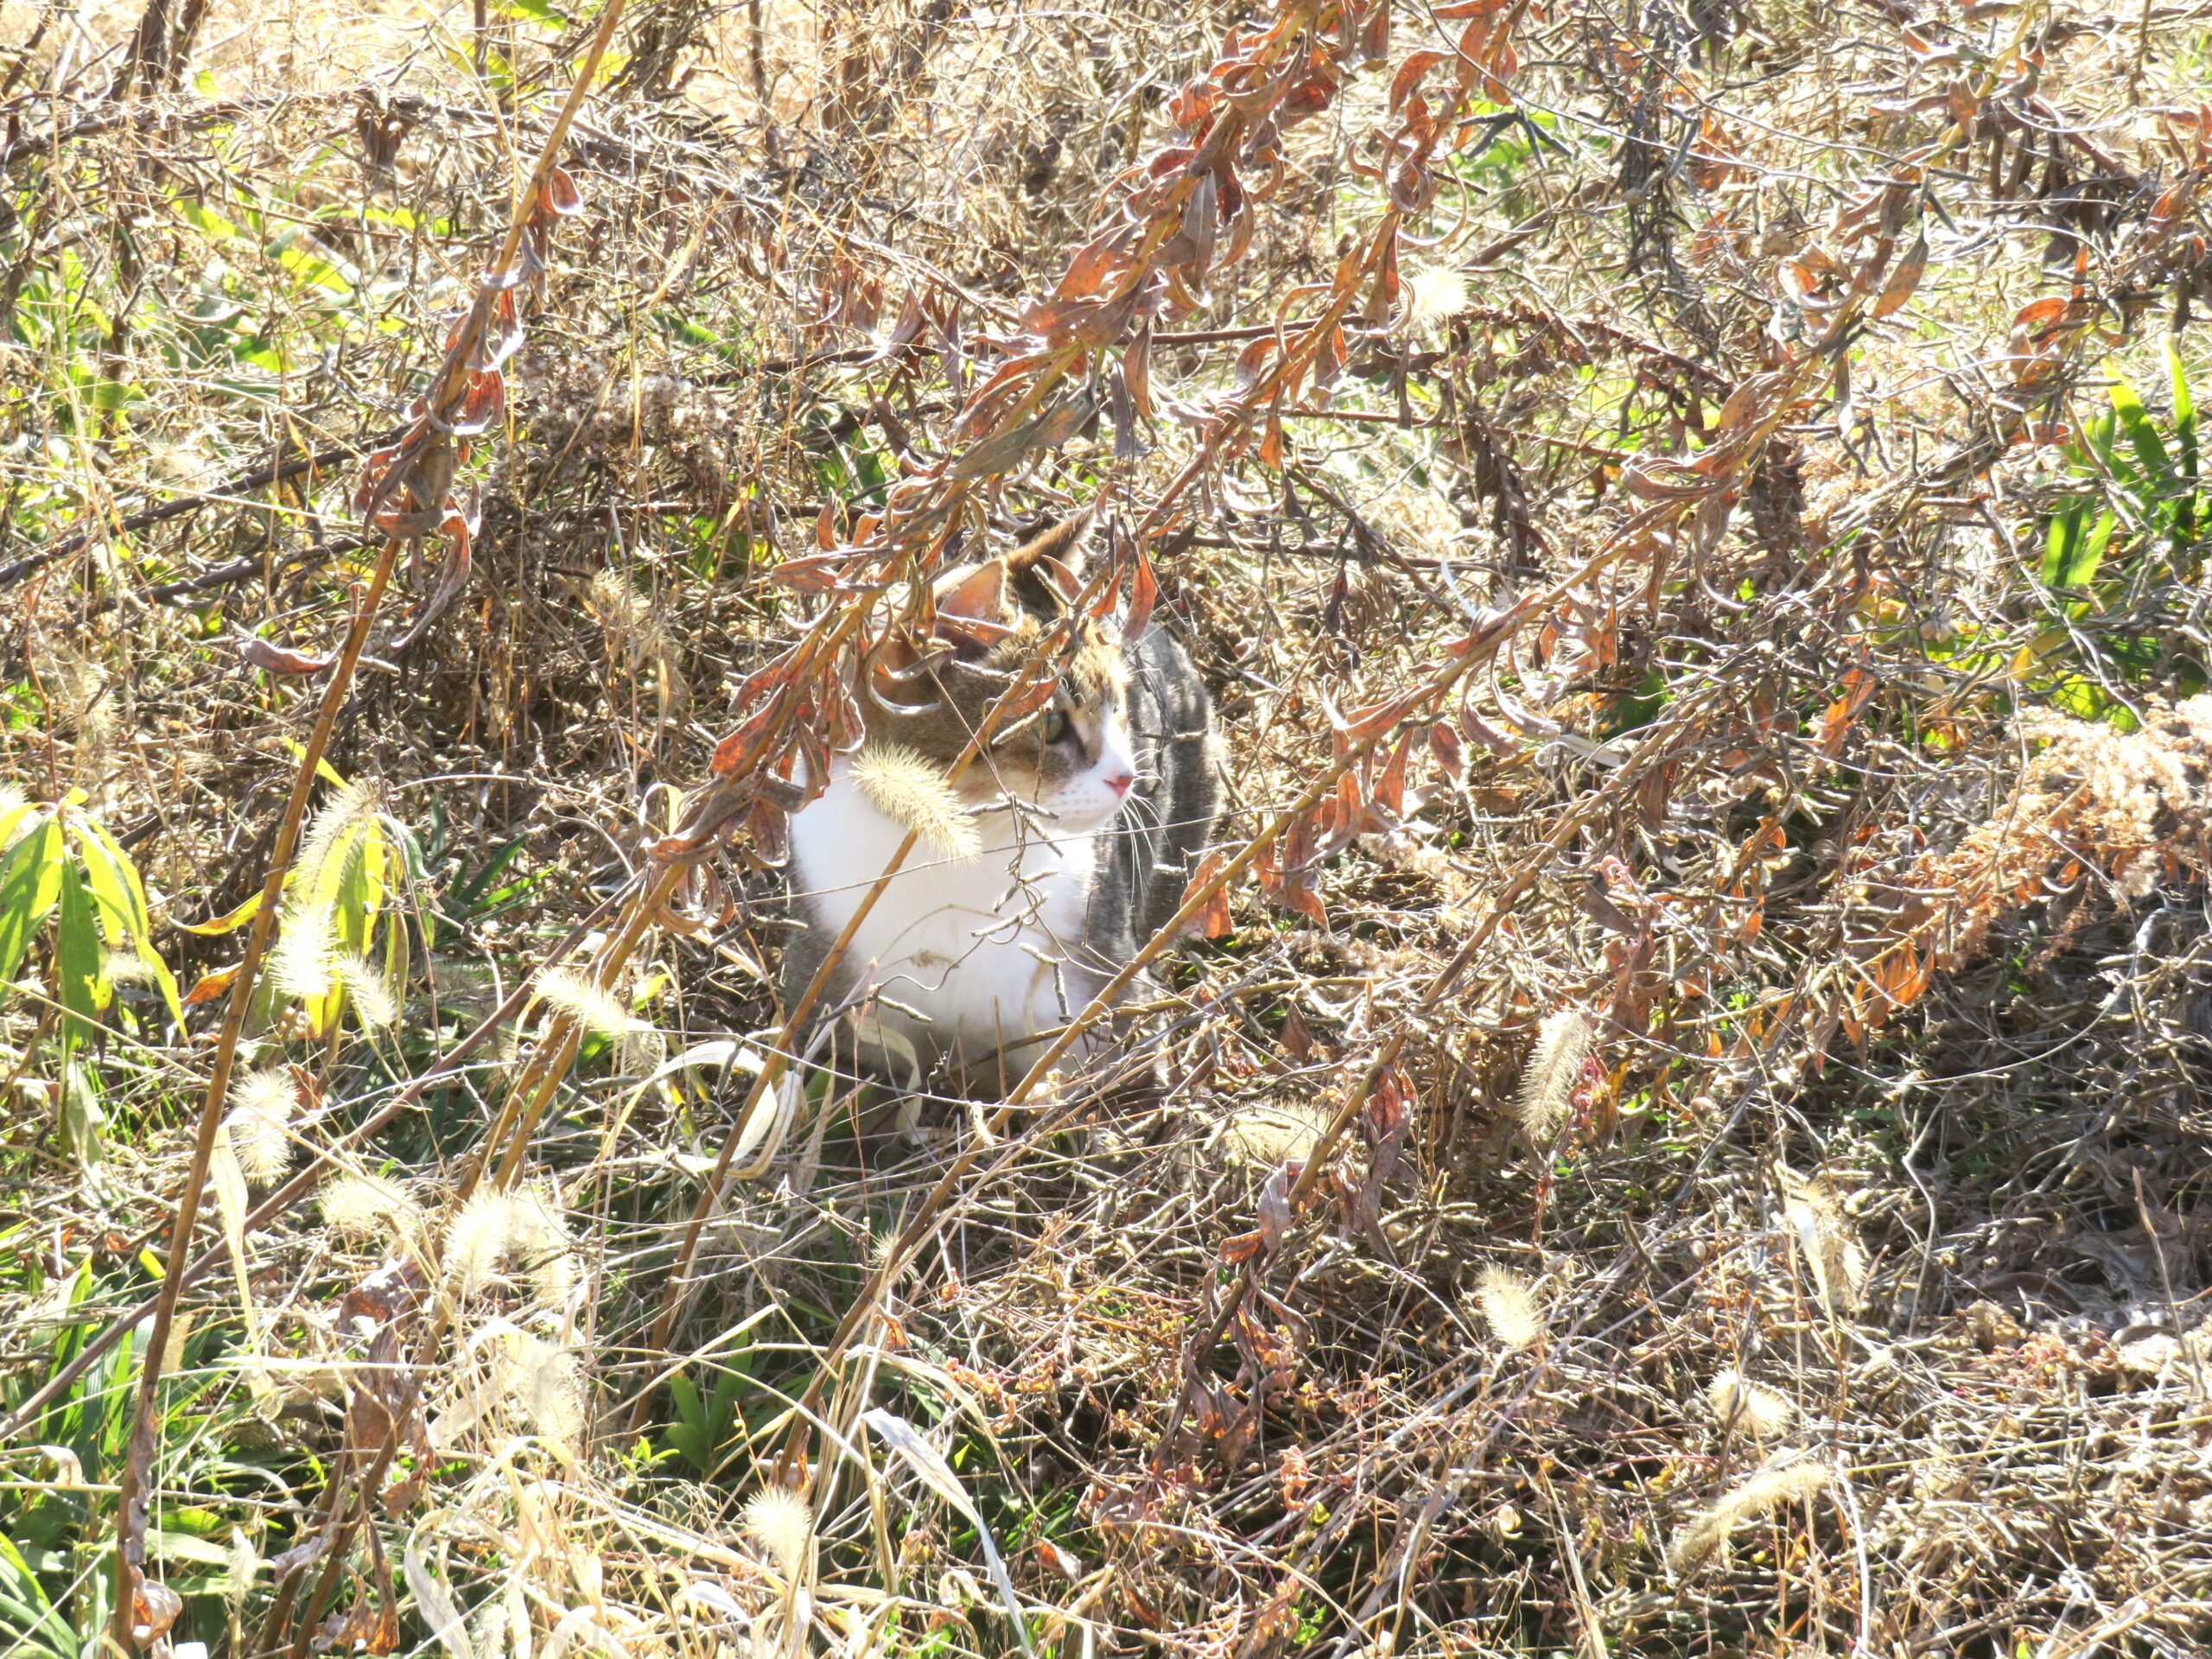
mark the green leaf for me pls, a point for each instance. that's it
(688, 1434)
(207, 221)
(77, 962)
(2084, 568)
(30, 882)
(27, 1615)
(323, 769)
(2143, 437)
(2060, 546)
(114, 880)
(2185, 439)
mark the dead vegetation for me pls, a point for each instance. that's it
(1676, 1126)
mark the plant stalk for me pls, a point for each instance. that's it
(138, 1465)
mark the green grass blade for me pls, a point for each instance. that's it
(30, 883)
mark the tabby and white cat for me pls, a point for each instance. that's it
(1063, 846)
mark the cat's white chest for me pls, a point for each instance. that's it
(984, 950)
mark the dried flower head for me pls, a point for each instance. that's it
(909, 788)
(1508, 1307)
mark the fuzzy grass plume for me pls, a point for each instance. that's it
(781, 1524)
(582, 999)
(1508, 1307)
(1435, 293)
(304, 963)
(1831, 1250)
(370, 993)
(260, 1121)
(367, 1210)
(330, 831)
(545, 1381)
(1738, 1403)
(498, 1236)
(1792, 1477)
(1554, 1067)
(908, 788)
(1274, 1133)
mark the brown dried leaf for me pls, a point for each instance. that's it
(1904, 279)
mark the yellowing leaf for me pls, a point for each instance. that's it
(229, 922)
(323, 769)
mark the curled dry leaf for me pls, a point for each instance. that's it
(277, 659)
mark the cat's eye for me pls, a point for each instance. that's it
(1056, 726)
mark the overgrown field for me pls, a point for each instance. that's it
(1675, 1123)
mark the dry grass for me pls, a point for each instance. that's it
(1765, 1000)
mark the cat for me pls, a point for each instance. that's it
(1062, 847)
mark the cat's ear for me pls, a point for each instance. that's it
(1066, 544)
(971, 603)
(1047, 571)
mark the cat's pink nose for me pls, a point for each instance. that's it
(1119, 782)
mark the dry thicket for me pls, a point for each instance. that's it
(1672, 1121)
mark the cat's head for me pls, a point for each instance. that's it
(1071, 759)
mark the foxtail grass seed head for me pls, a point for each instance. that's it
(1832, 1253)
(780, 1522)
(367, 989)
(619, 607)
(909, 789)
(344, 812)
(498, 1236)
(592, 1006)
(1434, 294)
(367, 1210)
(1508, 1307)
(304, 965)
(245, 1567)
(547, 1255)
(1740, 1403)
(480, 1241)
(1767, 1489)
(546, 1380)
(260, 1121)
(125, 968)
(642, 1050)
(1274, 1132)
(1554, 1067)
